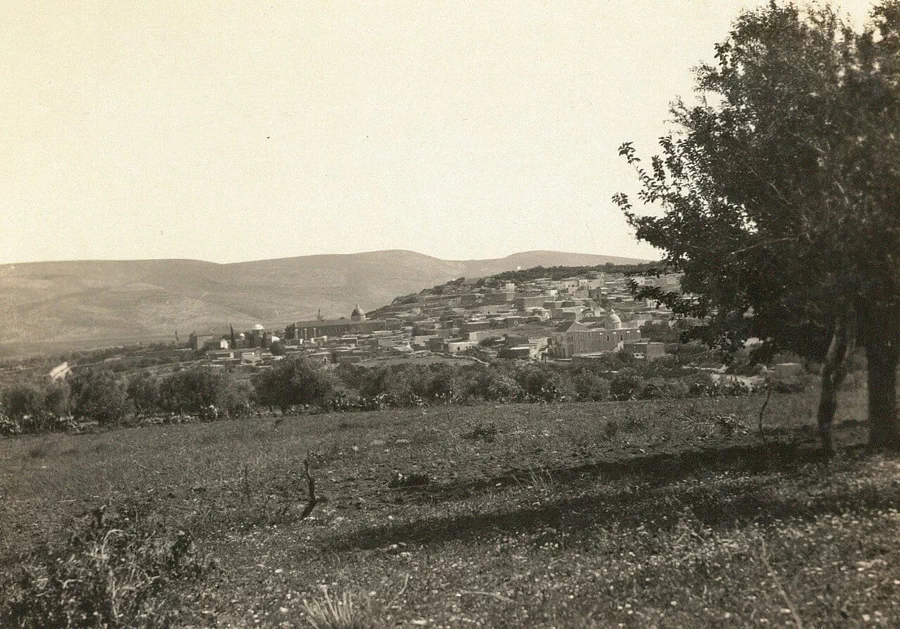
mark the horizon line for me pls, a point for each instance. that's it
(323, 255)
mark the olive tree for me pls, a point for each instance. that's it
(291, 381)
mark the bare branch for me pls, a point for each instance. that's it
(763, 409)
(399, 594)
(313, 501)
(763, 244)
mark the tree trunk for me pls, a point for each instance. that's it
(843, 342)
(884, 428)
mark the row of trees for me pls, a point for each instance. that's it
(780, 192)
(106, 397)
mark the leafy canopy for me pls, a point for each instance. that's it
(781, 187)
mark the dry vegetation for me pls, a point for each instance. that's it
(648, 513)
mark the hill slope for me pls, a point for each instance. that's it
(58, 302)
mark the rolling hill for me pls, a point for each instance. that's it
(54, 303)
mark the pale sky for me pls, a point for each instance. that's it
(230, 131)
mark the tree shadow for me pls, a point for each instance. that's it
(785, 452)
(656, 498)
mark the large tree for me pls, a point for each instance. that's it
(291, 381)
(780, 194)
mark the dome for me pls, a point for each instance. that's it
(613, 321)
(357, 314)
(258, 326)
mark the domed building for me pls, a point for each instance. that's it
(613, 321)
(358, 323)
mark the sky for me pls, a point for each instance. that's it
(233, 131)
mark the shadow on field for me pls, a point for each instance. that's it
(783, 451)
(747, 493)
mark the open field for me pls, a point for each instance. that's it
(668, 513)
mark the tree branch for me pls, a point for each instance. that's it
(313, 501)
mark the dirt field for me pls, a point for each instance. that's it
(667, 513)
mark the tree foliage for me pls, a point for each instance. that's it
(99, 395)
(781, 192)
(21, 400)
(293, 381)
(201, 390)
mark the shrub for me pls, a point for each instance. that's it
(663, 388)
(701, 385)
(9, 426)
(625, 385)
(99, 395)
(486, 383)
(590, 386)
(732, 387)
(540, 382)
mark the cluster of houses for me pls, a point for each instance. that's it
(573, 319)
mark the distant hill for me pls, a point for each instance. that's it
(54, 303)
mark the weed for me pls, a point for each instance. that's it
(728, 424)
(610, 430)
(540, 479)
(634, 422)
(482, 432)
(339, 613)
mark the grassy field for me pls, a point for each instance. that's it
(665, 513)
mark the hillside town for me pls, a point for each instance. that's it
(573, 319)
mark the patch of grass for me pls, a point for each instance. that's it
(113, 570)
(610, 430)
(482, 432)
(339, 613)
(540, 479)
(40, 450)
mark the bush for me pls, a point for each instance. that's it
(663, 388)
(625, 385)
(444, 384)
(100, 396)
(486, 383)
(590, 386)
(701, 385)
(540, 382)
